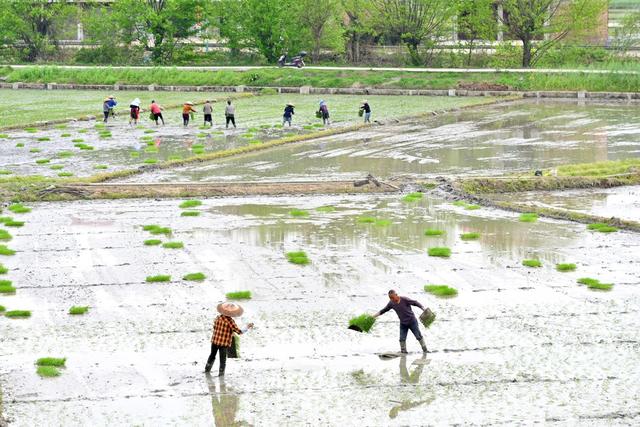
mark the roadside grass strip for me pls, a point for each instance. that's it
(442, 291)
(239, 295)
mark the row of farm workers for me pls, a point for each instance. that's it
(188, 112)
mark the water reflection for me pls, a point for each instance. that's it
(412, 377)
(225, 404)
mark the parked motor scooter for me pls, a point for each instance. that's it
(297, 61)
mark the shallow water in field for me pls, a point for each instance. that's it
(490, 140)
(516, 346)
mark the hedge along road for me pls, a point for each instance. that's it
(400, 69)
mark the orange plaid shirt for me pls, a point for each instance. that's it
(223, 329)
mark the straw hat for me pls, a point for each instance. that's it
(106, 99)
(290, 104)
(189, 103)
(111, 96)
(230, 309)
(364, 102)
(136, 102)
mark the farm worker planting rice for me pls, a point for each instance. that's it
(187, 111)
(230, 114)
(223, 329)
(156, 112)
(107, 107)
(324, 112)
(366, 109)
(408, 321)
(134, 111)
(288, 114)
(207, 110)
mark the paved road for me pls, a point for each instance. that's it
(415, 70)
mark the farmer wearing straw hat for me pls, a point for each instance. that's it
(134, 113)
(408, 321)
(223, 329)
(107, 107)
(187, 110)
(367, 111)
(288, 113)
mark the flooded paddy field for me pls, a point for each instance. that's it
(489, 140)
(518, 345)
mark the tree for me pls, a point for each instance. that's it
(321, 22)
(627, 35)
(229, 16)
(414, 21)
(475, 21)
(540, 24)
(356, 23)
(34, 25)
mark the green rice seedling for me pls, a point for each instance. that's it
(152, 242)
(151, 144)
(587, 281)
(277, 126)
(432, 232)
(62, 126)
(194, 277)
(85, 147)
(146, 138)
(298, 257)
(531, 263)
(600, 286)
(65, 135)
(362, 323)
(56, 167)
(3, 269)
(152, 149)
(20, 144)
(317, 125)
(43, 161)
(31, 130)
(83, 131)
(190, 204)
(253, 129)
(77, 140)
(5, 172)
(459, 203)
(173, 245)
(151, 161)
(5, 219)
(439, 252)
(197, 146)
(105, 135)
(18, 314)
(5, 236)
(412, 197)
(239, 295)
(134, 154)
(470, 236)
(65, 154)
(4, 135)
(158, 278)
(255, 141)
(443, 291)
(100, 167)
(198, 151)
(6, 287)
(202, 135)
(13, 223)
(149, 131)
(4, 250)
(307, 127)
(78, 310)
(565, 267)
(325, 209)
(190, 213)
(44, 138)
(150, 227)
(175, 158)
(99, 126)
(65, 174)
(19, 208)
(58, 362)
(34, 150)
(161, 230)
(602, 228)
(472, 207)
(247, 135)
(528, 217)
(48, 371)
(382, 223)
(298, 213)
(366, 220)
(2, 309)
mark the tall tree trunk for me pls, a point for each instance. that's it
(526, 53)
(413, 53)
(356, 48)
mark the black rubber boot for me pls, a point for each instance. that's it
(424, 346)
(403, 347)
(207, 368)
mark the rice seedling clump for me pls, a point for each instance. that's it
(77, 310)
(2, 309)
(173, 245)
(602, 228)
(190, 204)
(470, 236)
(51, 361)
(12, 223)
(298, 213)
(161, 230)
(565, 267)
(3, 269)
(412, 197)
(433, 232)
(56, 167)
(6, 287)
(439, 252)
(239, 295)
(42, 161)
(4, 250)
(152, 242)
(5, 236)
(366, 220)
(190, 213)
(151, 161)
(65, 174)
(298, 257)
(194, 277)
(528, 217)
(362, 323)
(48, 371)
(325, 209)
(595, 284)
(531, 263)
(159, 278)
(18, 314)
(441, 290)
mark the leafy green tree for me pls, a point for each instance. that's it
(627, 35)
(475, 21)
(540, 24)
(357, 23)
(229, 17)
(320, 20)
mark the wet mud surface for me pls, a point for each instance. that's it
(516, 346)
(490, 140)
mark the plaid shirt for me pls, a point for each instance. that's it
(223, 329)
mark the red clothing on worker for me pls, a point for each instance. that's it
(223, 329)
(155, 108)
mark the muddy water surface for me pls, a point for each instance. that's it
(517, 345)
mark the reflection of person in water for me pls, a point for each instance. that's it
(411, 378)
(225, 405)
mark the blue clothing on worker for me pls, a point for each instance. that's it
(111, 103)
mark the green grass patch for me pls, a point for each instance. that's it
(100, 167)
(325, 209)
(531, 263)
(412, 197)
(58, 362)
(152, 242)
(190, 204)
(194, 277)
(239, 295)
(298, 257)
(566, 267)
(433, 232)
(78, 310)
(56, 167)
(470, 236)
(602, 227)
(43, 161)
(439, 252)
(362, 323)
(190, 213)
(48, 371)
(4, 250)
(441, 290)
(18, 314)
(173, 245)
(297, 213)
(528, 217)
(158, 278)
(19, 208)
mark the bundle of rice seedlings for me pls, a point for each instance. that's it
(134, 154)
(65, 174)
(152, 242)
(470, 236)
(472, 207)
(325, 209)
(194, 277)
(443, 291)
(198, 151)
(42, 161)
(151, 150)
(602, 228)
(150, 227)
(5, 172)
(459, 203)
(2, 308)
(3, 269)
(595, 284)
(6, 287)
(51, 361)
(31, 130)
(20, 145)
(65, 154)
(161, 230)
(528, 217)
(77, 310)
(61, 126)
(382, 222)
(190, 213)
(12, 223)
(48, 371)
(4, 250)
(412, 197)
(190, 204)
(150, 161)
(77, 140)
(439, 252)
(158, 278)
(100, 167)
(65, 135)
(362, 323)
(18, 314)
(5, 236)
(34, 150)
(298, 257)
(44, 138)
(427, 317)
(531, 263)
(146, 138)
(4, 135)
(56, 167)
(433, 232)
(239, 295)
(298, 213)
(149, 131)
(173, 245)
(566, 267)
(83, 131)
(366, 220)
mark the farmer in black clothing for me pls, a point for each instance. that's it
(402, 307)
(367, 111)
